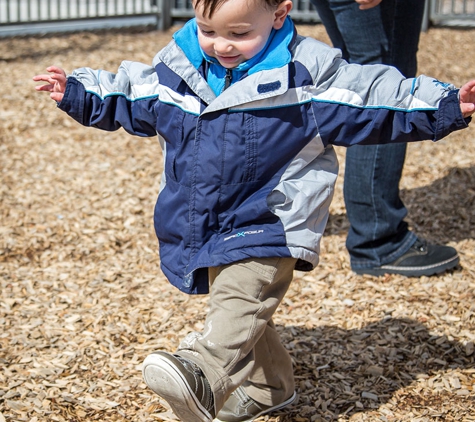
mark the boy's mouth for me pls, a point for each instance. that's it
(228, 60)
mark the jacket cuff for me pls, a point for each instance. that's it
(73, 100)
(449, 116)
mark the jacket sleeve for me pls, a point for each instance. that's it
(375, 104)
(109, 101)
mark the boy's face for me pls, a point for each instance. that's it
(238, 29)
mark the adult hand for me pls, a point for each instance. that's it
(368, 4)
(56, 82)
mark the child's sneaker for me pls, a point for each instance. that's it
(182, 384)
(239, 407)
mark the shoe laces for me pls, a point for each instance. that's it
(420, 245)
(200, 378)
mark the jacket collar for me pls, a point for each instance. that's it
(267, 77)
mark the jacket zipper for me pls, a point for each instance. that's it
(227, 79)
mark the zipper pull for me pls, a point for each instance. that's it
(227, 79)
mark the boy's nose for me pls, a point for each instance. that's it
(222, 46)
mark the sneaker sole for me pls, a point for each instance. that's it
(168, 382)
(269, 410)
(426, 270)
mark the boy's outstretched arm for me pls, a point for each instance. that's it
(56, 82)
(467, 98)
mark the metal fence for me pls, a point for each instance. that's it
(174, 10)
(20, 17)
(452, 12)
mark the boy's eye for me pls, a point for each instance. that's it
(208, 33)
(241, 35)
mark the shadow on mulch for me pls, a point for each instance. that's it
(443, 211)
(350, 371)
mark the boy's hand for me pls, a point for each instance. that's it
(467, 98)
(56, 82)
(367, 4)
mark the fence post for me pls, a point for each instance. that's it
(426, 18)
(165, 18)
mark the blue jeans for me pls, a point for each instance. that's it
(388, 34)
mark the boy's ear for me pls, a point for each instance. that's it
(283, 9)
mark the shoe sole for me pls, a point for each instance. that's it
(164, 378)
(269, 410)
(426, 270)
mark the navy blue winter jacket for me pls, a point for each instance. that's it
(251, 172)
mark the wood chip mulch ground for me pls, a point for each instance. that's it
(82, 299)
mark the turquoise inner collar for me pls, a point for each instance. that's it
(275, 54)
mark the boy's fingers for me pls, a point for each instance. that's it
(467, 93)
(467, 109)
(41, 78)
(55, 69)
(57, 96)
(58, 78)
(44, 87)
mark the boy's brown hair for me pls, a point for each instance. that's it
(210, 6)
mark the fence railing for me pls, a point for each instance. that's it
(20, 17)
(452, 12)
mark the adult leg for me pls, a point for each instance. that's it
(378, 232)
(379, 239)
(360, 35)
(372, 173)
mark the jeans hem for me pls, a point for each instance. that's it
(408, 241)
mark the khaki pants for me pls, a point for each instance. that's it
(239, 344)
